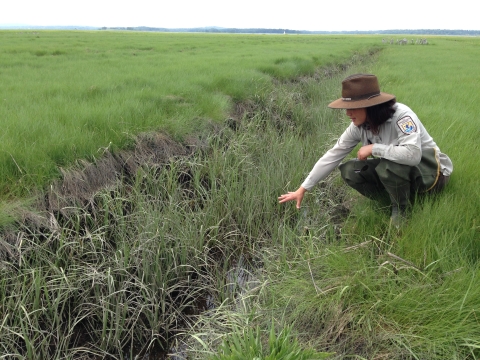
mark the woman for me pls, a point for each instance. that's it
(405, 159)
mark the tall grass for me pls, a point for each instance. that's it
(128, 270)
(69, 95)
(360, 288)
(122, 273)
(377, 293)
(247, 344)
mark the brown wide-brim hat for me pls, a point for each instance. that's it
(360, 91)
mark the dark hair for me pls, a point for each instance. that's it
(378, 114)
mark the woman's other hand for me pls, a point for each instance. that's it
(364, 152)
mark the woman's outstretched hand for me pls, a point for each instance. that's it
(293, 196)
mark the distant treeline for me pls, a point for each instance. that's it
(215, 29)
(288, 31)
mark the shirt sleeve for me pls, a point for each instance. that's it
(328, 162)
(408, 147)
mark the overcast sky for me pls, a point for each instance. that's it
(328, 15)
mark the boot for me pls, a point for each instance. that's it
(398, 216)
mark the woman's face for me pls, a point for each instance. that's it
(358, 116)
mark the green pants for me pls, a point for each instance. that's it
(373, 176)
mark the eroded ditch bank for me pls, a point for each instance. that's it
(122, 255)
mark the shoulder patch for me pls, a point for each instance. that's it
(407, 125)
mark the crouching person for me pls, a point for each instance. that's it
(397, 158)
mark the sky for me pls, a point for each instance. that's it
(320, 15)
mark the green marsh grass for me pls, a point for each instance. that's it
(247, 344)
(363, 289)
(128, 272)
(67, 95)
(378, 293)
(124, 273)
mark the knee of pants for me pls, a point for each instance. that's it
(359, 172)
(392, 173)
(348, 173)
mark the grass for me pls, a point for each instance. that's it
(447, 113)
(68, 95)
(361, 289)
(126, 271)
(247, 344)
(128, 267)
(409, 294)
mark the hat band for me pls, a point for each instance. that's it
(363, 97)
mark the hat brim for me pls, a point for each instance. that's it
(357, 104)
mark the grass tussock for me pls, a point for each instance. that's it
(247, 344)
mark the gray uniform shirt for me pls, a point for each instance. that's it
(400, 139)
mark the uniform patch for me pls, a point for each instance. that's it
(407, 125)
